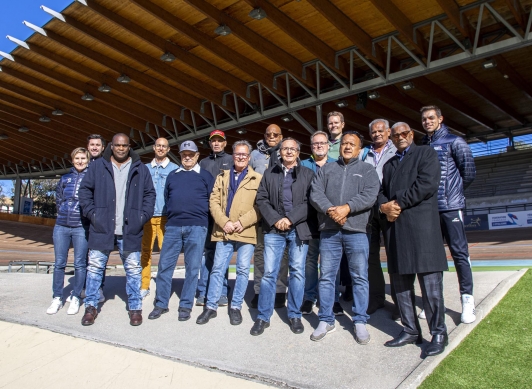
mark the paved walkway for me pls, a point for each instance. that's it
(184, 354)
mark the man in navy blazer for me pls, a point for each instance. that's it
(408, 199)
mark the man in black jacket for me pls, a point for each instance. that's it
(215, 163)
(282, 199)
(118, 197)
(457, 173)
(414, 247)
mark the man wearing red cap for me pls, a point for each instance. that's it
(215, 163)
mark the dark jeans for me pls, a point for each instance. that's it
(432, 294)
(453, 230)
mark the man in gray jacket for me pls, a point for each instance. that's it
(377, 154)
(343, 193)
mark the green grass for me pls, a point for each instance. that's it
(498, 352)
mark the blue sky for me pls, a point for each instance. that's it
(14, 12)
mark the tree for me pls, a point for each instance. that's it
(42, 192)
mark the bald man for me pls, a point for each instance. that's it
(265, 156)
(160, 167)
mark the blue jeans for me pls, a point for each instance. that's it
(63, 236)
(274, 245)
(356, 246)
(97, 264)
(207, 261)
(224, 253)
(311, 273)
(191, 239)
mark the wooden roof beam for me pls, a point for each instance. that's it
(189, 82)
(350, 30)
(506, 69)
(14, 155)
(257, 42)
(437, 93)
(137, 77)
(153, 110)
(302, 36)
(451, 8)
(399, 20)
(478, 88)
(238, 60)
(95, 106)
(231, 82)
(519, 13)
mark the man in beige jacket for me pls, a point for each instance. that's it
(232, 205)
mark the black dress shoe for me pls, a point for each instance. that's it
(235, 317)
(280, 300)
(258, 327)
(374, 306)
(296, 326)
(254, 302)
(437, 345)
(206, 315)
(135, 317)
(404, 339)
(183, 314)
(348, 294)
(157, 312)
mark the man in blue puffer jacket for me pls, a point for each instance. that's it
(457, 173)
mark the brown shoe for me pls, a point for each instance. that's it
(91, 313)
(135, 317)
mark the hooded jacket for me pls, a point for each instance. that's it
(356, 184)
(97, 199)
(67, 201)
(457, 167)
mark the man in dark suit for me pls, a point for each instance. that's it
(414, 246)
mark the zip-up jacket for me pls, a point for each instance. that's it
(356, 184)
(270, 199)
(217, 163)
(263, 158)
(368, 155)
(457, 167)
(97, 199)
(67, 201)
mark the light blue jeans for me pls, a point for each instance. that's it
(274, 245)
(63, 236)
(97, 263)
(190, 239)
(311, 273)
(356, 246)
(224, 253)
(207, 261)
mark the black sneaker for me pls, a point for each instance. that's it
(235, 317)
(306, 308)
(183, 314)
(337, 309)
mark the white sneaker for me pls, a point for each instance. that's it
(102, 297)
(69, 298)
(422, 315)
(468, 309)
(74, 306)
(56, 305)
(144, 293)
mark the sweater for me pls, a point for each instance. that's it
(186, 195)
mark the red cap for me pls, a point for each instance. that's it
(219, 133)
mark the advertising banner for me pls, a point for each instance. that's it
(476, 222)
(519, 219)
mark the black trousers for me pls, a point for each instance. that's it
(432, 294)
(453, 230)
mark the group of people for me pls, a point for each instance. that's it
(287, 214)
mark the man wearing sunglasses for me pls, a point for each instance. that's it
(408, 199)
(343, 192)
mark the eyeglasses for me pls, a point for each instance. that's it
(319, 144)
(289, 149)
(403, 135)
(345, 144)
(118, 146)
(272, 135)
(161, 146)
(241, 155)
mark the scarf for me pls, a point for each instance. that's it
(234, 182)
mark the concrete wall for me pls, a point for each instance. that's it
(499, 201)
(27, 219)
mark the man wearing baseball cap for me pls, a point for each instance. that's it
(186, 195)
(215, 163)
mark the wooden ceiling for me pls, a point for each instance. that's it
(216, 80)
